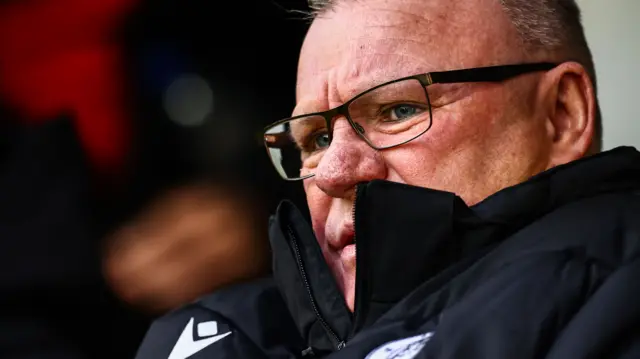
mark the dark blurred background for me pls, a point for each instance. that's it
(132, 174)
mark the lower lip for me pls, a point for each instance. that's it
(348, 253)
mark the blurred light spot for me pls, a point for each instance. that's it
(189, 100)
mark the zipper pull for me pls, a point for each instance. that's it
(308, 353)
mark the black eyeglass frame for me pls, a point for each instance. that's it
(478, 74)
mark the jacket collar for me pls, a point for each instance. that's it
(411, 233)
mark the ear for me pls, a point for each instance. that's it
(570, 111)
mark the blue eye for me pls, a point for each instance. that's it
(321, 140)
(402, 112)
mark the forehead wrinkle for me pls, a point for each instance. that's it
(417, 28)
(315, 104)
(406, 47)
(415, 66)
(370, 70)
(416, 17)
(406, 56)
(414, 34)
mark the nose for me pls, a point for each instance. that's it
(347, 162)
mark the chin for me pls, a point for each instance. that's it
(348, 288)
(345, 277)
(350, 298)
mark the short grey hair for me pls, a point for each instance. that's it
(551, 25)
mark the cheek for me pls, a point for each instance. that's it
(429, 158)
(319, 206)
(464, 152)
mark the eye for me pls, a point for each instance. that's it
(403, 112)
(320, 141)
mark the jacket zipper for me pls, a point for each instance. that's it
(357, 305)
(353, 213)
(303, 273)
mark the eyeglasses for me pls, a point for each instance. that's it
(385, 116)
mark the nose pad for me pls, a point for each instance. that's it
(359, 128)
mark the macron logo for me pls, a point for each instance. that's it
(187, 346)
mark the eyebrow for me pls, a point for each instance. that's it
(357, 88)
(306, 107)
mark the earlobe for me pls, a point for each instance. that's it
(571, 112)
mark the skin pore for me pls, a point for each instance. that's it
(484, 136)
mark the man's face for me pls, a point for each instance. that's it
(484, 137)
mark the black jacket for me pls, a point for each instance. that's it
(546, 269)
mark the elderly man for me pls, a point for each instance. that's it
(459, 205)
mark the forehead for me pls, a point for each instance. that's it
(362, 43)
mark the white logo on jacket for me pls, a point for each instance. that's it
(401, 349)
(187, 346)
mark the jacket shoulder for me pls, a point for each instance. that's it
(603, 228)
(243, 321)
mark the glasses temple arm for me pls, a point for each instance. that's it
(488, 74)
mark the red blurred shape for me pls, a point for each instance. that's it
(63, 56)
